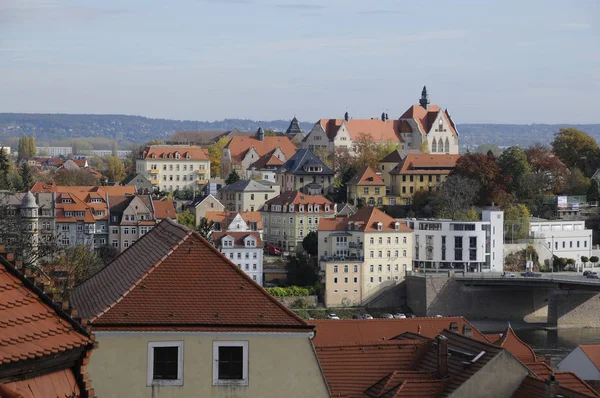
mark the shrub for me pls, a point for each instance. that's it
(291, 291)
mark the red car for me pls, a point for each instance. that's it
(274, 250)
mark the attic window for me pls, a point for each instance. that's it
(326, 207)
(310, 208)
(291, 210)
(170, 156)
(153, 156)
(379, 226)
(164, 156)
(397, 226)
(177, 155)
(67, 200)
(301, 209)
(187, 156)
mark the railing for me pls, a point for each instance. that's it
(558, 277)
(354, 245)
(154, 182)
(154, 171)
(342, 258)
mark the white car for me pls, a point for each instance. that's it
(367, 316)
(399, 316)
(333, 316)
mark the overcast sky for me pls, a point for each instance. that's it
(486, 61)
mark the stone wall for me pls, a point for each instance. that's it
(569, 308)
(292, 301)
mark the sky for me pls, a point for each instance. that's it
(486, 61)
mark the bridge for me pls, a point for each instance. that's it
(559, 299)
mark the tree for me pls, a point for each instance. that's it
(594, 260)
(572, 146)
(80, 177)
(186, 218)
(115, 148)
(233, 177)
(340, 193)
(270, 132)
(107, 253)
(513, 164)
(548, 166)
(369, 152)
(325, 156)
(215, 153)
(516, 222)
(26, 176)
(5, 166)
(155, 141)
(26, 147)
(301, 271)
(456, 195)
(577, 183)
(486, 148)
(116, 170)
(487, 173)
(594, 191)
(204, 227)
(310, 243)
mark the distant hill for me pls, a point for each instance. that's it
(136, 129)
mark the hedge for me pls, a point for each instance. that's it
(292, 291)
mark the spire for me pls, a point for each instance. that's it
(294, 127)
(346, 116)
(260, 134)
(424, 98)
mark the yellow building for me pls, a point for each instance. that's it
(175, 318)
(420, 172)
(366, 186)
(388, 164)
(362, 256)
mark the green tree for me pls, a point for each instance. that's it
(516, 222)
(270, 132)
(571, 262)
(77, 262)
(5, 166)
(486, 148)
(310, 243)
(26, 147)
(215, 153)
(594, 260)
(186, 218)
(115, 148)
(573, 146)
(26, 176)
(584, 260)
(456, 196)
(75, 178)
(577, 183)
(204, 227)
(302, 271)
(513, 163)
(155, 141)
(340, 193)
(116, 170)
(233, 177)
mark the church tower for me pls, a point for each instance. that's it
(29, 211)
(424, 101)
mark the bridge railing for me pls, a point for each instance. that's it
(556, 277)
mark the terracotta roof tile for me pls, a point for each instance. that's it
(238, 236)
(376, 128)
(426, 164)
(366, 176)
(566, 379)
(298, 198)
(174, 277)
(392, 157)
(533, 387)
(160, 151)
(61, 383)
(238, 146)
(516, 346)
(592, 351)
(424, 118)
(164, 209)
(367, 218)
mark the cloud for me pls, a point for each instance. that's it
(575, 26)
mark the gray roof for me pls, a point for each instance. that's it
(246, 186)
(294, 127)
(97, 293)
(304, 157)
(28, 201)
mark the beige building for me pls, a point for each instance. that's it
(366, 187)
(164, 331)
(247, 195)
(362, 255)
(200, 206)
(174, 167)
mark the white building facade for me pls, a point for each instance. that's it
(563, 239)
(53, 151)
(471, 246)
(244, 249)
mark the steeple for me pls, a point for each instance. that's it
(294, 127)
(346, 116)
(424, 98)
(260, 134)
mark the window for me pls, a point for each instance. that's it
(334, 280)
(165, 363)
(115, 243)
(345, 269)
(355, 268)
(366, 190)
(335, 269)
(355, 279)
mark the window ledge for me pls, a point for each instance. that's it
(177, 382)
(240, 383)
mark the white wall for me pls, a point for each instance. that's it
(579, 363)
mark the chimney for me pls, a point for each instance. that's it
(383, 117)
(467, 331)
(260, 134)
(548, 360)
(442, 355)
(346, 116)
(551, 386)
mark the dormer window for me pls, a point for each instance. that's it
(301, 209)
(187, 156)
(310, 208)
(316, 209)
(164, 156)
(291, 208)
(379, 226)
(170, 156)
(153, 156)
(177, 156)
(266, 207)
(284, 208)
(67, 200)
(326, 207)
(349, 225)
(397, 226)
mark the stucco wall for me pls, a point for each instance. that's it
(579, 363)
(278, 366)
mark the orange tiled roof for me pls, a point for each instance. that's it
(226, 217)
(367, 218)
(238, 238)
(566, 379)
(267, 160)
(592, 351)
(426, 117)
(41, 186)
(366, 176)
(170, 151)
(426, 164)
(359, 330)
(376, 128)
(164, 209)
(238, 146)
(533, 387)
(516, 346)
(172, 277)
(298, 198)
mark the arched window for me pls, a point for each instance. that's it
(447, 146)
(434, 146)
(441, 125)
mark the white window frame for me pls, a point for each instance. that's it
(244, 380)
(150, 368)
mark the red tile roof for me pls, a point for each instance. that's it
(593, 353)
(299, 198)
(172, 277)
(169, 151)
(426, 117)
(367, 218)
(238, 146)
(41, 186)
(375, 128)
(366, 176)
(267, 160)
(516, 346)
(426, 164)
(359, 330)
(61, 383)
(226, 217)
(567, 380)
(238, 236)
(164, 209)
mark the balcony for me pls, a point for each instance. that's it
(200, 172)
(154, 182)
(154, 171)
(354, 245)
(201, 182)
(350, 257)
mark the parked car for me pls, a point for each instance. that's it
(333, 316)
(273, 250)
(387, 316)
(586, 273)
(358, 316)
(399, 316)
(592, 275)
(528, 274)
(367, 316)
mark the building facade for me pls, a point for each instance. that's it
(306, 173)
(471, 246)
(247, 195)
(563, 239)
(362, 256)
(289, 217)
(174, 167)
(54, 151)
(366, 187)
(205, 203)
(244, 249)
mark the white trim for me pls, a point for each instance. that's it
(216, 380)
(291, 335)
(150, 366)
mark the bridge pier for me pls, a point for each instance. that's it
(573, 308)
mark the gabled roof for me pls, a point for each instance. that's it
(238, 146)
(425, 118)
(426, 164)
(568, 380)
(592, 351)
(164, 209)
(173, 279)
(197, 201)
(516, 346)
(365, 176)
(270, 160)
(238, 238)
(227, 217)
(377, 129)
(533, 387)
(367, 218)
(304, 157)
(354, 331)
(246, 186)
(167, 152)
(41, 186)
(392, 157)
(294, 127)
(299, 198)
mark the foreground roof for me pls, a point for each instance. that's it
(299, 198)
(516, 346)
(173, 279)
(593, 353)
(567, 380)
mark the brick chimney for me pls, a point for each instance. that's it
(551, 386)
(548, 360)
(442, 355)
